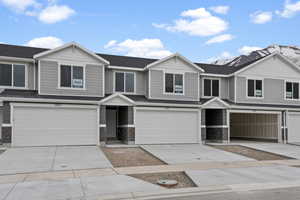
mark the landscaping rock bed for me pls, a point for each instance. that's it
(130, 157)
(250, 153)
(183, 180)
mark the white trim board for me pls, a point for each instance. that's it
(71, 44)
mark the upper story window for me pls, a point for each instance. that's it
(291, 90)
(71, 76)
(12, 75)
(255, 88)
(211, 87)
(174, 83)
(124, 82)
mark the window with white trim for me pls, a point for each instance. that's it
(124, 82)
(71, 76)
(255, 88)
(291, 90)
(12, 75)
(211, 87)
(174, 83)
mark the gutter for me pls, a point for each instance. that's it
(16, 59)
(41, 100)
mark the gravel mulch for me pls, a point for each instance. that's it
(183, 180)
(251, 153)
(130, 157)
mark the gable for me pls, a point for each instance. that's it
(273, 67)
(175, 64)
(215, 103)
(117, 100)
(71, 54)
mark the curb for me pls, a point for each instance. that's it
(185, 192)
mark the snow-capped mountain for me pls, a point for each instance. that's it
(291, 52)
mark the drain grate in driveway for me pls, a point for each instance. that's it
(251, 153)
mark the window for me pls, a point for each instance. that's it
(255, 88)
(174, 83)
(292, 90)
(211, 87)
(12, 75)
(124, 82)
(71, 76)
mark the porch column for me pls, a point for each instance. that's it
(284, 128)
(203, 125)
(5, 119)
(126, 127)
(102, 125)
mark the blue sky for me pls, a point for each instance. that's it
(201, 30)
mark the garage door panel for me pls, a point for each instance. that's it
(43, 126)
(166, 127)
(293, 123)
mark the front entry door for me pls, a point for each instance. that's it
(111, 123)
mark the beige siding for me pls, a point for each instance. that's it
(190, 86)
(261, 126)
(49, 80)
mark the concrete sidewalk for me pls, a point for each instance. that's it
(192, 153)
(44, 159)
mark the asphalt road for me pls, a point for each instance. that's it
(274, 194)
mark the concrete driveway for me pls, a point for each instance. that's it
(87, 188)
(39, 159)
(292, 151)
(191, 153)
(248, 175)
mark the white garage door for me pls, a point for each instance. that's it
(51, 125)
(160, 126)
(293, 123)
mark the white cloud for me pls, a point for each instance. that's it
(245, 50)
(55, 13)
(197, 22)
(19, 5)
(290, 9)
(151, 48)
(260, 17)
(220, 9)
(45, 42)
(223, 55)
(48, 12)
(220, 39)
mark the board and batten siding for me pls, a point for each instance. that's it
(49, 80)
(191, 87)
(223, 84)
(139, 81)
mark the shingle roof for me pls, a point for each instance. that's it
(115, 60)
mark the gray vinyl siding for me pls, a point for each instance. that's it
(49, 80)
(191, 86)
(224, 86)
(146, 84)
(36, 77)
(108, 81)
(273, 92)
(30, 76)
(140, 88)
(6, 113)
(1, 121)
(231, 88)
